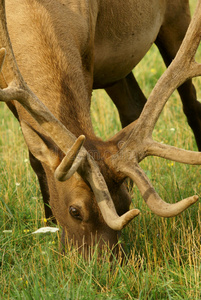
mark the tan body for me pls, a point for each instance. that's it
(66, 48)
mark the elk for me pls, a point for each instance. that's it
(53, 54)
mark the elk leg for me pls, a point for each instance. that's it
(128, 98)
(38, 169)
(168, 43)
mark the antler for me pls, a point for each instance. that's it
(82, 162)
(140, 143)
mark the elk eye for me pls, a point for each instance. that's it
(75, 213)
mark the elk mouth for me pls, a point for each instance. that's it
(96, 246)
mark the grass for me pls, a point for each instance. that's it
(165, 254)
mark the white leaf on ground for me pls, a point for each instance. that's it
(46, 229)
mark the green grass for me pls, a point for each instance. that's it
(165, 254)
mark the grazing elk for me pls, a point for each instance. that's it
(64, 49)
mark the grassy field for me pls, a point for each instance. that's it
(164, 259)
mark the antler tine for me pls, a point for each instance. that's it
(174, 153)
(2, 57)
(18, 90)
(71, 161)
(152, 199)
(107, 206)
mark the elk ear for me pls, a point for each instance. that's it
(40, 146)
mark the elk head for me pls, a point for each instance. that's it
(76, 176)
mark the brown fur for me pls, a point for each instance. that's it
(64, 49)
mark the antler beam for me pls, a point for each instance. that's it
(140, 144)
(182, 68)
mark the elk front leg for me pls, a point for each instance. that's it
(168, 43)
(128, 98)
(192, 109)
(38, 169)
